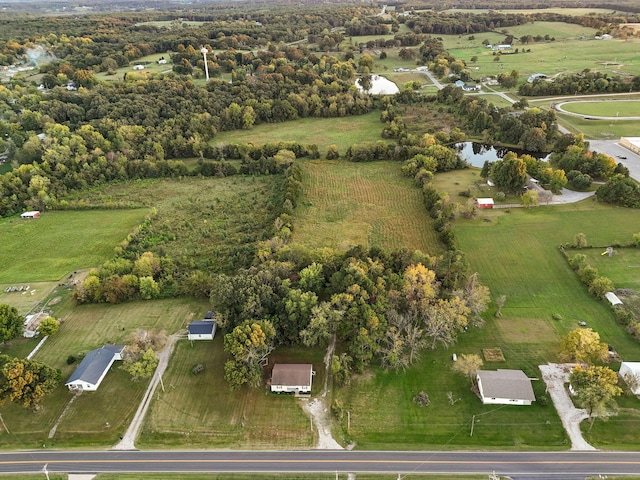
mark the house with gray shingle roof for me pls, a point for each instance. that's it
(292, 377)
(94, 368)
(505, 387)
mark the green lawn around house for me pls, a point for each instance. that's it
(82, 329)
(199, 411)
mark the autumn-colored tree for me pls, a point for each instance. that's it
(468, 364)
(248, 344)
(595, 388)
(583, 345)
(26, 381)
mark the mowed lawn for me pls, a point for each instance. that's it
(199, 411)
(95, 418)
(342, 132)
(517, 255)
(622, 268)
(49, 247)
(567, 54)
(622, 108)
(370, 204)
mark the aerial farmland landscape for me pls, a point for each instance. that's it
(322, 240)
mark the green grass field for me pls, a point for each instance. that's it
(517, 255)
(578, 12)
(600, 129)
(82, 329)
(540, 283)
(47, 248)
(342, 132)
(205, 223)
(619, 108)
(567, 54)
(623, 267)
(372, 204)
(199, 411)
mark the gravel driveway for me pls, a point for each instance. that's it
(555, 375)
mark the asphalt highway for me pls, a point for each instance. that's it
(517, 465)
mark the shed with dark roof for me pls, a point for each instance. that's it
(201, 330)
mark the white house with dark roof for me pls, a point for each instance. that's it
(292, 377)
(201, 329)
(94, 367)
(505, 387)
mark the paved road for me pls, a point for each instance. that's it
(615, 150)
(517, 465)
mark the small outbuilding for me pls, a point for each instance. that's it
(94, 367)
(613, 299)
(484, 202)
(292, 377)
(630, 373)
(505, 387)
(31, 324)
(32, 214)
(201, 329)
(138, 67)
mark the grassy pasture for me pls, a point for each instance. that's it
(384, 416)
(600, 129)
(567, 54)
(199, 411)
(539, 283)
(342, 132)
(24, 301)
(622, 108)
(208, 223)
(47, 248)
(82, 329)
(346, 204)
(623, 267)
(578, 12)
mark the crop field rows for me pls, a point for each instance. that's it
(346, 204)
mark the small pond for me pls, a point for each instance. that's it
(380, 86)
(476, 154)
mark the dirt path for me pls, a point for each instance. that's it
(318, 409)
(129, 438)
(555, 375)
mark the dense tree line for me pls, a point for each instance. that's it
(379, 306)
(582, 83)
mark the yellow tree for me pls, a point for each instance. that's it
(594, 389)
(583, 345)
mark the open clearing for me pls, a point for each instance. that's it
(346, 204)
(622, 108)
(623, 267)
(342, 132)
(568, 53)
(198, 411)
(56, 243)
